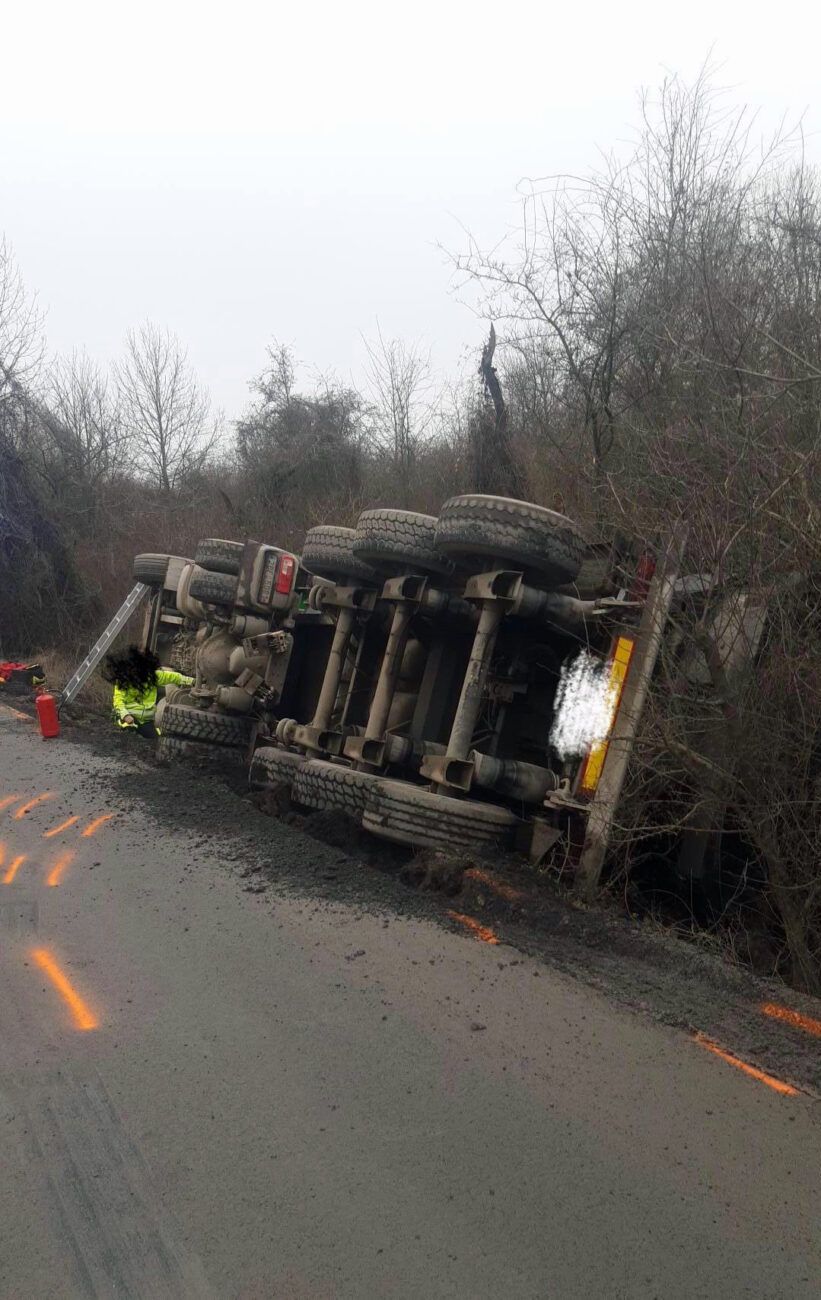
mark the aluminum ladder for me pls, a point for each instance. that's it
(132, 601)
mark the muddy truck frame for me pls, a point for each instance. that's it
(407, 671)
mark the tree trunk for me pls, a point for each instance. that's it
(494, 469)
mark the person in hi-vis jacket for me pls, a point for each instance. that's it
(136, 676)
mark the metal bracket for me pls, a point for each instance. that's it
(453, 773)
(561, 799)
(321, 740)
(611, 606)
(325, 594)
(542, 836)
(502, 691)
(274, 643)
(410, 587)
(362, 750)
(499, 584)
(249, 681)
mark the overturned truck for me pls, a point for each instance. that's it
(449, 681)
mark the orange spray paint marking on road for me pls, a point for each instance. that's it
(498, 886)
(56, 873)
(10, 798)
(481, 931)
(794, 1018)
(96, 824)
(15, 712)
(83, 1017)
(13, 868)
(63, 827)
(32, 803)
(777, 1085)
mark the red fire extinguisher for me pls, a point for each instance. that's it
(47, 715)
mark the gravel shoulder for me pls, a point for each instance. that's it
(327, 861)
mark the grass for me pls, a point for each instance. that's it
(95, 697)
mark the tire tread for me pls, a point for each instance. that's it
(516, 531)
(207, 726)
(174, 747)
(150, 568)
(272, 766)
(328, 552)
(213, 588)
(320, 784)
(218, 555)
(400, 539)
(412, 815)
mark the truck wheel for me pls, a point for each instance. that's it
(202, 724)
(179, 695)
(272, 766)
(150, 569)
(172, 748)
(213, 588)
(399, 541)
(593, 578)
(159, 570)
(176, 564)
(328, 553)
(218, 556)
(525, 536)
(319, 784)
(396, 810)
(159, 713)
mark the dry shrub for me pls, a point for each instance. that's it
(59, 666)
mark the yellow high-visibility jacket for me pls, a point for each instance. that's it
(140, 705)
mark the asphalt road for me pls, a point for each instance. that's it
(211, 1092)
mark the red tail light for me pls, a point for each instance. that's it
(285, 576)
(644, 573)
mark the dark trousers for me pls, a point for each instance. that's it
(143, 729)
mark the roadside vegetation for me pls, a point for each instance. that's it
(651, 353)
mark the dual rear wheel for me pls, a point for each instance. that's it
(393, 810)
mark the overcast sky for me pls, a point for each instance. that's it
(250, 170)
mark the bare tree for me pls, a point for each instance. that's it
(82, 420)
(561, 283)
(36, 565)
(662, 337)
(297, 447)
(611, 270)
(20, 323)
(494, 468)
(400, 383)
(166, 413)
(21, 343)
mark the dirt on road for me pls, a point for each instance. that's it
(325, 859)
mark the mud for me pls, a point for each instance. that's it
(325, 858)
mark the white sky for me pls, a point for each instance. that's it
(244, 171)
